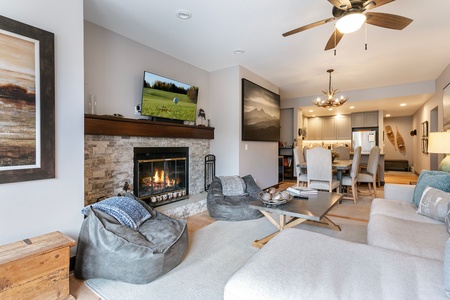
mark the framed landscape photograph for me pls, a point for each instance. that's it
(260, 113)
(27, 102)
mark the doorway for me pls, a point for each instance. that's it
(434, 159)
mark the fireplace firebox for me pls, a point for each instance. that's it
(161, 174)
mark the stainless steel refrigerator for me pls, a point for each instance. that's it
(364, 138)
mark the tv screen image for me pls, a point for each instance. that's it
(169, 99)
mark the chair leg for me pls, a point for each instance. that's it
(375, 187)
(354, 192)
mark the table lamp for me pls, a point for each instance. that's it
(439, 142)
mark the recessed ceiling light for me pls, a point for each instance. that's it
(183, 14)
(310, 110)
(403, 104)
(352, 107)
(330, 108)
(388, 115)
(239, 51)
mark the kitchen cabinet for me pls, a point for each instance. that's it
(329, 128)
(365, 119)
(314, 129)
(344, 128)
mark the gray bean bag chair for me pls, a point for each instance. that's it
(232, 204)
(137, 252)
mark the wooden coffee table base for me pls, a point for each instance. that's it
(291, 222)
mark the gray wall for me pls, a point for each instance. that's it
(113, 69)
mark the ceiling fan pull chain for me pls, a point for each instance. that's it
(335, 40)
(365, 35)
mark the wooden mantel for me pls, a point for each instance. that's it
(110, 125)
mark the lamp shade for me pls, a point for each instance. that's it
(439, 142)
(350, 22)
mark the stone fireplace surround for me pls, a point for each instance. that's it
(109, 164)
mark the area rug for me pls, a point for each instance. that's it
(214, 254)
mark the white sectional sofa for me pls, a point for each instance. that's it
(404, 259)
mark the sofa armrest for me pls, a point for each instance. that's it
(401, 192)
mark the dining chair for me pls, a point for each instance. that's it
(351, 179)
(372, 168)
(320, 174)
(344, 152)
(302, 178)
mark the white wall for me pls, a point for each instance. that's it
(114, 68)
(225, 110)
(422, 161)
(234, 156)
(33, 208)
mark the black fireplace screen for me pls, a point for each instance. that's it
(161, 177)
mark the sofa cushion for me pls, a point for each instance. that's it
(436, 179)
(398, 209)
(415, 238)
(447, 218)
(287, 267)
(447, 269)
(434, 204)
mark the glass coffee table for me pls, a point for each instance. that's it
(311, 210)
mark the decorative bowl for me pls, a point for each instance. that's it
(276, 198)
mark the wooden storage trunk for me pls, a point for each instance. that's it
(36, 268)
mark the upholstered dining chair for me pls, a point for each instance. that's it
(320, 170)
(370, 177)
(302, 178)
(344, 152)
(351, 179)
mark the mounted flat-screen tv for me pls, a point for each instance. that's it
(165, 99)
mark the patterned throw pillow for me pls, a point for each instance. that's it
(434, 204)
(126, 210)
(437, 179)
(232, 185)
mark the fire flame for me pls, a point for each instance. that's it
(160, 177)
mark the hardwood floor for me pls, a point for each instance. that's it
(80, 291)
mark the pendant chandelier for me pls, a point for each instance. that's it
(330, 100)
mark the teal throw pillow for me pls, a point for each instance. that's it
(437, 179)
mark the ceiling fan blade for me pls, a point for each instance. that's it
(370, 4)
(309, 26)
(334, 40)
(387, 20)
(341, 4)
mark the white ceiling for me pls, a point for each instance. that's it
(296, 64)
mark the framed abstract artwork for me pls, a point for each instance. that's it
(260, 113)
(27, 102)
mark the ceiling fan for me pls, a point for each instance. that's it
(351, 15)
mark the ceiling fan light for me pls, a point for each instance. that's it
(350, 22)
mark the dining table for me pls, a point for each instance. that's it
(339, 165)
